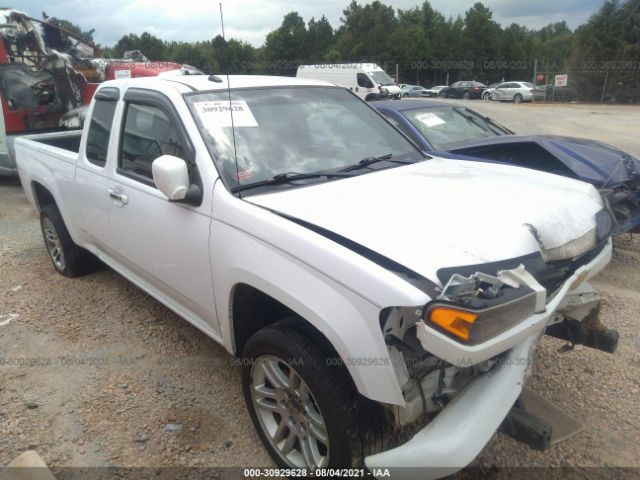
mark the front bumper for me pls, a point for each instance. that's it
(460, 431)
(454, 438)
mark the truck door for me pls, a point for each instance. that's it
(364, 85)
(92, 179)
(165, 244)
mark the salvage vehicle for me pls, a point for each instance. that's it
(47, 71)
(441, 127)
(516, 92)
(290, 222)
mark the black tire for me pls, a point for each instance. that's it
(331, 391)
(371, 97)
(466, 96)
(486, 96)
(68, 258)
(404, 95)
(517, 98)
(442, 94)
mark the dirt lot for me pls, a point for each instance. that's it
(92, 369)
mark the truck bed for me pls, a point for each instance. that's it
(69, 141)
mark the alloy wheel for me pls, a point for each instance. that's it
(54, 246)
(288, 413)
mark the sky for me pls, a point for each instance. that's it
(251, 20)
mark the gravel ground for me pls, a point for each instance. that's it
(94, 369)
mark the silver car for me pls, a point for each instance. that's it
(412, 91)
(517, 92)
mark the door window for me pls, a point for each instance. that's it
(364, 81)
(147, 135)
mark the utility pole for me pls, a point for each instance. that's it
(604, 86)
(535, 75)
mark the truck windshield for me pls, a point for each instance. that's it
(381, 77)
(297, 130)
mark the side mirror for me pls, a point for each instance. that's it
(171, 176)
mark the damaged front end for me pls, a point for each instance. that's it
(480, 332)
(622, 196)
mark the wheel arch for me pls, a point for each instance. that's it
(312, 315)
(41, 195)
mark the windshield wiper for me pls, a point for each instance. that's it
(474, 120)
(284, 178)
(365, 162)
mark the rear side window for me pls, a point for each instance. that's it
(147, 135)
(99, 132)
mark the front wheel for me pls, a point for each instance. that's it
(486, 96)
(466, 95)
(302, 408)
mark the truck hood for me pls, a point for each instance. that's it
(443, 213)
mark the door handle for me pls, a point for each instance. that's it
(118, 195)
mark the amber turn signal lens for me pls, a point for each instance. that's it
(456, 322)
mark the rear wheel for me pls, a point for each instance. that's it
(517, 98)
(68, 258)
(305, 412)
(441, 94)
(466, 95)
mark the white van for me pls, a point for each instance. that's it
(367, 80)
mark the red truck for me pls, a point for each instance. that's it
(47, 71)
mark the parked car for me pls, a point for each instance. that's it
(466, 90)
(269, 213)
(437, 126)
(434, 91)
(412, 91)
(516, 92)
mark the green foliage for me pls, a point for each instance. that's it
(428, 47)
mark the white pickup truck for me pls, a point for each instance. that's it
(368, 288)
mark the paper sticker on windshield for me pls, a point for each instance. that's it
(430, 119)
(218, 114)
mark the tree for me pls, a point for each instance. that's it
(152, 47)
(480, 38)
(286, 45)
(319, 40)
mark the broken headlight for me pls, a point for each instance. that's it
(476, 308)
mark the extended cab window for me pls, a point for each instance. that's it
(99, 131)
(147, 135)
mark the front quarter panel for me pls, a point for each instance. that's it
(251, 245)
